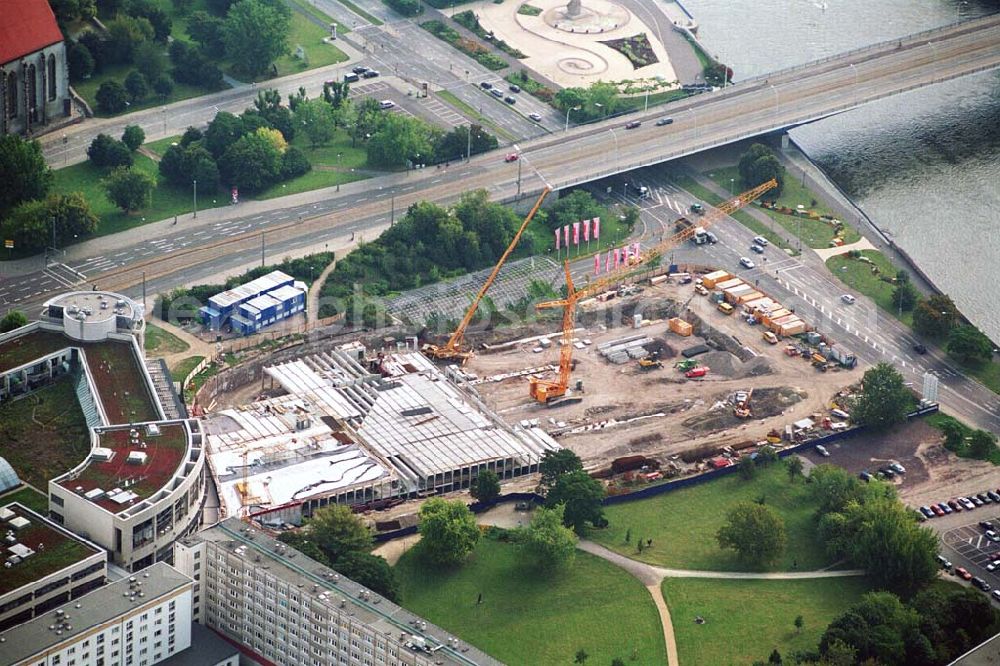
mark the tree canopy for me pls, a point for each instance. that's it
(547, 541)
(11, 320)
(935, 316)
(969, 345)
(256, 33)
(755, 531)
(338, 530)
(448, 531)
(582, 497)
(128, 188)
(486, 486)
(884, 400)
(758, 165)
(23, 172)
(556, 463)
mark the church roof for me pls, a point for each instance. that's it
(27, 26)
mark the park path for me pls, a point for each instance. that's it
(652, 576)
(312, 306)
(827, 252)
(196, 346)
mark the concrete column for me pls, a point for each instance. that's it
(784, 141)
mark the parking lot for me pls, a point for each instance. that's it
(971, 543)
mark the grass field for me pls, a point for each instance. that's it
(88, 90)
(30, 498)
(683, 523)
(162, 342)
(814, 233)
(687, 183)
(528, 618)
(360, 12)
(184, 367)
(44, 434)
(746, 619)
(167, 199)
(858, 276)
(988, 374)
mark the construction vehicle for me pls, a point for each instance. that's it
(552, 392)
(695, 373)
(451, 351)
(741, 404)
(651, 363)
(686, 364)
(819, 362)
(770, 338)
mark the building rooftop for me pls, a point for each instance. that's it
(94, 305)
(32, 344)
(207, 647)
(330, 589)
(250, 289)
(47, 547)
(91, 610)
(27, 26)
(129, 464)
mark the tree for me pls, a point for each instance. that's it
(547, 541)
(954, 620)
(128, 188)
(617, 661)
(163, 86)
(969, 345)
(133, 136)
(904, 296)
(278, 116)
(209, 32)
(793, 464)
(150, 61)
(111, 97)
(799, 623)
(486, 486)
(758, 165)
(106, 152)
(31, 224)
(338, 531)
(28, 225)
(935, 316)
(192, 67)
(982, 443)
(96, 46)
(879, 627)
(455, 144)
(407, 8)
(294, 163)
(839, 653)
(556, 463)
(583, 497)
(222, 132)
(755, 532)
(23, 172)
(336, 93)
(71, 214)
(13, 319)
(371, 571)
(256, 33)
(883, 400)
(316, 118)
(158, 19)
(252, 163)
(748, 468)
(775, 657)
(125, 33)
(399, 139)
(448, 531)
(136, 86)
(80, 62)
(581, 656)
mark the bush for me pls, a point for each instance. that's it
(163, 86)
(136, 86)
(128, 188)
(193, 68)
(106, 152)
(407, 8)
(150, 61)
(80, 62)
(133, 136)
(112, 97)
(125, 33)
(294, 163)
(97, 48)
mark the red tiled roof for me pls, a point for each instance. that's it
(26, 27)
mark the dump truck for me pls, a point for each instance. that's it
(841, 356)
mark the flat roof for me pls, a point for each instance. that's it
(100, 305)
(102, 605)
(261, 302)
(286, 293)
(250, 289)
(207, 647)
(31, 345)
(329, 588)
(54, 548)
(125, 483)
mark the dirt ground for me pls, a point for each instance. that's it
(626, 410)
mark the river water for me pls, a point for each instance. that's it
(924, 165)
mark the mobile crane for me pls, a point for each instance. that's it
(451, 350)
(553, 392)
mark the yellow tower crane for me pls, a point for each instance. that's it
(553, 392)
(451, 350)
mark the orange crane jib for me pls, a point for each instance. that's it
(545, 391)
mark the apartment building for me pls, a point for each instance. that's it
(288, 609)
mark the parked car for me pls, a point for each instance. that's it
(937, 510)
(760, 240)
(887, 472)
(981, 584)
(996, 595)
(511, 157)
(992, 536)
(694, 373)
(360, 69)
(485, 85)
(984, 498)
(537, 117)
(986, 525)
(920, 348)
(955, 506)
(820, 449)
(757, 248)
(966, 503)
(993, 496)
(496, 92)
(975, 500)
(371, 74)
(897, 468)
(865, 476)
(943, 561)
(847, 298)
(945, 507)
(386, 104)
(664, 121)
(351, 77)
(745, 262)
(992, 566)
(510, 100)
(961, 572)
(926, 510)
(635, 124)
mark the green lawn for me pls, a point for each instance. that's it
(161, 342)
(309, 36)
(160, 146)
(44, 434)
(88, 90)
(30, 498)
(315, 12)
(746, 619)
(687, 183)
(988, 374)
(814, 233)
(529, 618)
(473, 114)
(939, 419)
(167, 199)
(184, 367)
(683, 523)
(313, 180)
(360, 12)
(858, 276)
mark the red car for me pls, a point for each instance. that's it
(511, 157)
(633, 125)
(962, 573)
(693, 373)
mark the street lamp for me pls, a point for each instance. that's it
(194, 185)
(572, 108)
(339, 155)
(776, 101)
(731, 187)
(618, 156)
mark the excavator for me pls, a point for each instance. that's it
(554, 392)
(451, 350)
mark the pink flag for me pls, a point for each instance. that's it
(607, 262)
(635, 250)
(597, 264)
(597, 228)
(557, 239)
(624, 252)
(618, 257)
(576, 233)
(566, 236)
(586, 231)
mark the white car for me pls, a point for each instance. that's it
(897, 468)
(820, 449)
(386, 104)
(746, 262)
(760, 240)
(847, 298)
(537, 117)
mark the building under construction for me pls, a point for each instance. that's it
(360, 429)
